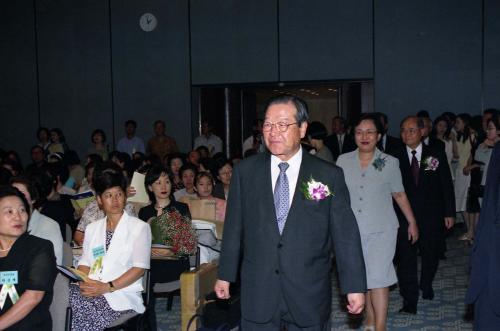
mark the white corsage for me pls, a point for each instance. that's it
(431, 163)
(315, 191)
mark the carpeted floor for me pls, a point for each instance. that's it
(443, 313)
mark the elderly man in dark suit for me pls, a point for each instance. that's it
(484, 290)
(428, 185)
(284, 239)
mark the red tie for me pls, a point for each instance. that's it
(415, 169)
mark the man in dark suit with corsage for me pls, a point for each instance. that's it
(286, 211)
(483, 289)
(428, 185)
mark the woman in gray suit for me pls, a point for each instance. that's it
(374, 179)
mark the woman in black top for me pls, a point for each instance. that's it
(159, 187)
(27, 268)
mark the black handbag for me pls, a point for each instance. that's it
(218, 314)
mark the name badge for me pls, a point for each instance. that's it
(98, 251)
(8, 278)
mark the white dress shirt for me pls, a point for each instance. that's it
(292, 173)
(418, 155)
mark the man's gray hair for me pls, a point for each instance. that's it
(301, 106)
(420, 121)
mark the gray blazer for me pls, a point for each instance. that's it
(295, 265)
(371, 190)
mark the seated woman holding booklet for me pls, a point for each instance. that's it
(27, 268)
(116, 252)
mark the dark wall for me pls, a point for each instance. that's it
(234, 41)
(74, 68)
(151, 69)
(491, 54)
(18, 82)
(427, 56)
(97, 68)
(325, 40)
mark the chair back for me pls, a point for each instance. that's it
(69, 234)
(67, 255)
(60, 303)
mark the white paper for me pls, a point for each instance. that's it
(141, 196)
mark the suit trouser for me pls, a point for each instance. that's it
(406, 261)
(430, 245)
(280, 319)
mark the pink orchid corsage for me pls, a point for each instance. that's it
(431, 163)
(315, 191)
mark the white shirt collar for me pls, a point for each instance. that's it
(418, 155)
(293, 162)
(292, 172)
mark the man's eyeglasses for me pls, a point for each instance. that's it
(281, 126)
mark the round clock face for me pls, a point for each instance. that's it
(148, 22)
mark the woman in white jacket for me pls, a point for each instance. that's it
(116, 252)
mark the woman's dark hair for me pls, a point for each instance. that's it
(106, 176)
(496, 121)
(476, 124)
(58, 171)
(463, 136)
(5, 176)
(188, 166)
(209, 164)
(152, 176)
(203, 149)
(371, 117)
(40, 130)
(14, 156)
(175, 156)
(447, 133)
(316, 130)
(59, 132)
(89, 166)
(221, 164)
(95, 158)
(30, 187)
(9, 191)
(127, 162)
(71, 158)
(44, 185)
(203, 174)
(96, 131)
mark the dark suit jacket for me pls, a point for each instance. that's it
(295, 265)
(485, 259)
(434, 198)
(392, 145)
(332, 143)
(437, 144)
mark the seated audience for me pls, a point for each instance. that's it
(224, 171)
(161, 144)
(166, 216)
(26, 307)
(204, 184)
(57, 142)
(188, 173)
(175, 162)
(37, 158)
(208, 139)
(99, 147)
(43, 136)
(131, 144)
(92, 213)
(316, 132)
(116, 253)
(39, 225)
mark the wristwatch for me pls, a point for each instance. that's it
(111, 287)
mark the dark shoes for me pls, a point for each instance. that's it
(408, 310)
(428, 294)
